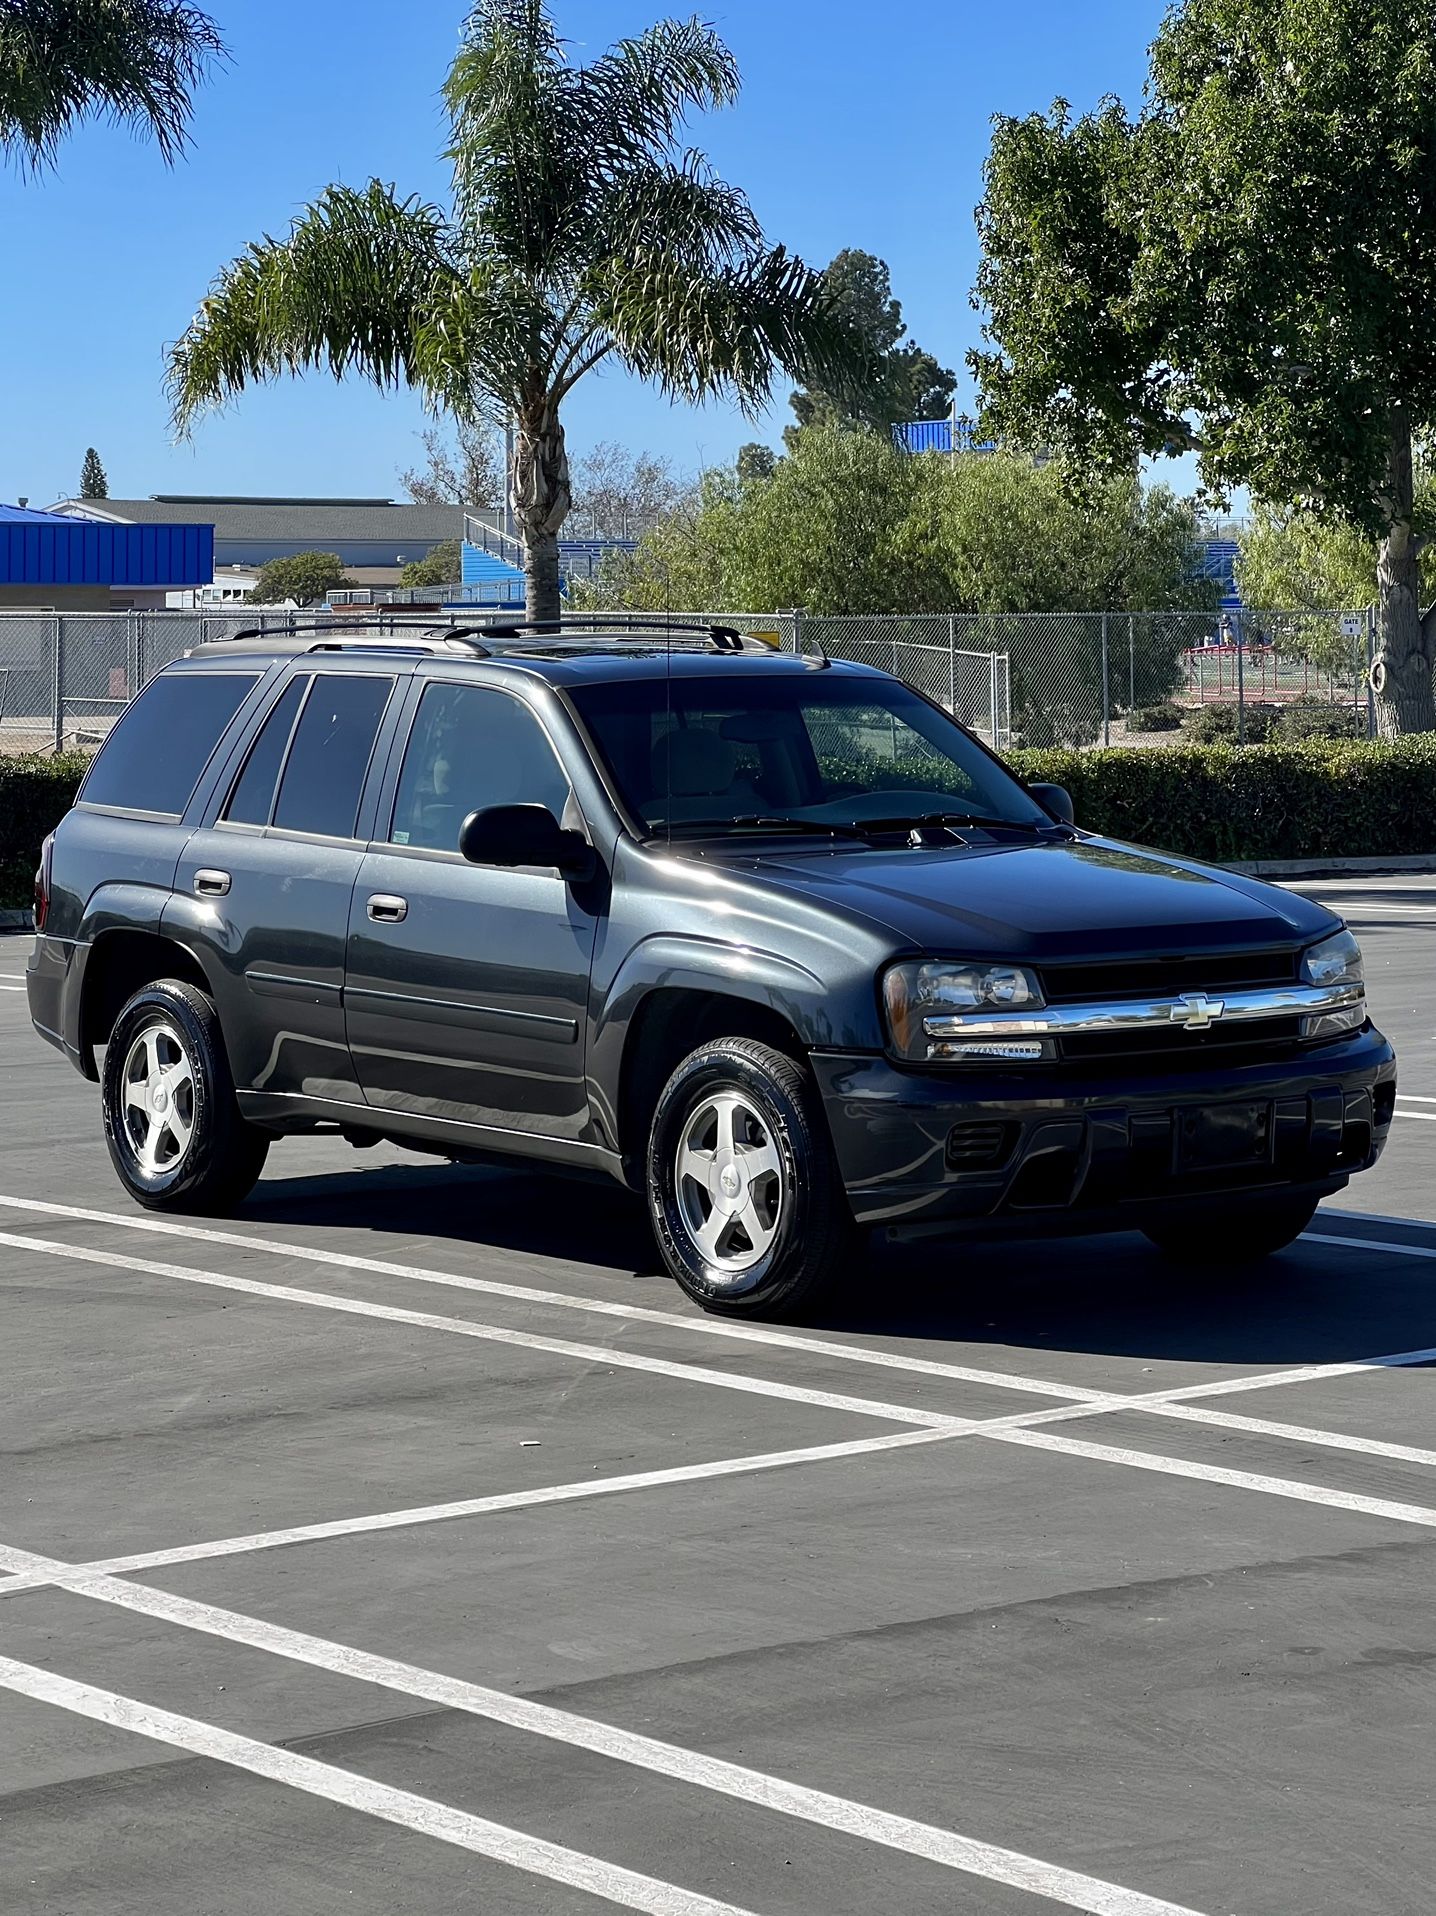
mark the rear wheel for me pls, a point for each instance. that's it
(747, 1206)
(1236, 1233)
(173, 1126)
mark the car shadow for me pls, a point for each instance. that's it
(1110, 1295)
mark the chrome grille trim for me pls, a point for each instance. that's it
(1190, 1011)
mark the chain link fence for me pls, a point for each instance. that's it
(1032, 678)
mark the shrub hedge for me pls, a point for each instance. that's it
(1323, 798)
(35, 793)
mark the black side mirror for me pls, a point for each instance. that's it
(523, 835)
(1057, 800)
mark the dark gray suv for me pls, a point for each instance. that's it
(771, 940)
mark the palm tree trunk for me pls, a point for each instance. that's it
(542, 498)
(1401, 672)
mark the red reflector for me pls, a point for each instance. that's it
(42, 885)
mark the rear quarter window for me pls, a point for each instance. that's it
(152, 760)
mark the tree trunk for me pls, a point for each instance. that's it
(1401, 672)
(541, 501)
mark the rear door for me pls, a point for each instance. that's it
(267, 884)
(466, 989)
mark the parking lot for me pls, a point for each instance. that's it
(406, 1544)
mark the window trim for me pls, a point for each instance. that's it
(294, 832)
(249, 824)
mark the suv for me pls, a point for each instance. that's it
(769, 939)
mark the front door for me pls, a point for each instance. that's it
(466, 987)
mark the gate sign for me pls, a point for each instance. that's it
(1353, 625)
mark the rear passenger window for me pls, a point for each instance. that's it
(324, 773)
(152, 760)
(252, 799)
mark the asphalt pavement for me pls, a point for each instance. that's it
(407, 1544)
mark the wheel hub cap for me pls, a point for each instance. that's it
(731, 1184)
(157, 1090)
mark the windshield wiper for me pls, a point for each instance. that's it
(918, 820)
(753, 822)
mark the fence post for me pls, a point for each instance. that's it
(992, 700)
(1241, 687)
(952, 664)
(1106, 688)
(57, 683)
(1370, 662)
(797, 617)
(1131, 660)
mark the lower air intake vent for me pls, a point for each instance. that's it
(978, 1146)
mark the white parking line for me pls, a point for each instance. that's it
(417, 1813)
(1373, 1244)
(1426, 1117)
(923, 1840)
(999, 1429)
(602, 1354)
(528, 1499)
(12, 987)
(1413, 1097)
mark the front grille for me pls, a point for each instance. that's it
(979, 1146)
(1166, 977)
(1162, 1047)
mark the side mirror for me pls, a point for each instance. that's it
(523, 835)
(1057, 800)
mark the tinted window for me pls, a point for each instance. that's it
(325, 771)
(252, 799)
(706, 750)
(154, 756)
(471, 747)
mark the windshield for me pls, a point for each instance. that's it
(773, 750)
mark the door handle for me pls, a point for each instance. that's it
(386, 909)
(211, 884)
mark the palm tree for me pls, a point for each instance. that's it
(580, 232)
(136, 61)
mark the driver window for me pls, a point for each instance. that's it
(471, 747)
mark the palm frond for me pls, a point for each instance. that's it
(346, 292)
(631, 103)
(700, 335)
(137, 62)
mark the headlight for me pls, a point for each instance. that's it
(1335, 961)
(926, 1001)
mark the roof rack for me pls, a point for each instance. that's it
(723, 638)
(385, 623)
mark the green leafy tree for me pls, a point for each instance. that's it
(304, 577)
(755, 461)
(894, 379)
(442, 565)
(134, 61)
(1244, 268)
(581, 231)
(93, 483)
(468, 472)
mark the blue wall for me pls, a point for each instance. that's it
(45, 548)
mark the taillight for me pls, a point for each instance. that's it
(42, 883)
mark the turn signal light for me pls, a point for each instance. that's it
(42, 883)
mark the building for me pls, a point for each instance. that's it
(374, 538)
(55, 562)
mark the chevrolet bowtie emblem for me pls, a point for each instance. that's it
(1196, 1011)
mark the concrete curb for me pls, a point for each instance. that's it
(1333, 867)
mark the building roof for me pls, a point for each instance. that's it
(317, 523)
(51, 548)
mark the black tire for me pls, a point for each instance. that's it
(174, 1025)
(801, 1204)
(1235, 1233)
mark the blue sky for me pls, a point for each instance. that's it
(858, 126)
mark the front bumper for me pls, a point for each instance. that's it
(1080, 1151)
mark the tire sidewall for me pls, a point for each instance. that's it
(697, 1078)
(161, 1003)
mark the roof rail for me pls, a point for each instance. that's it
(384, 621)
(723, 638)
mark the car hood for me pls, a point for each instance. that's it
(1082, 898)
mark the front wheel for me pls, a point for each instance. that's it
(1235, 1233)
(174, 1130)
(747, 1205)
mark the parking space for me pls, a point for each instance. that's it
(406, 1543)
